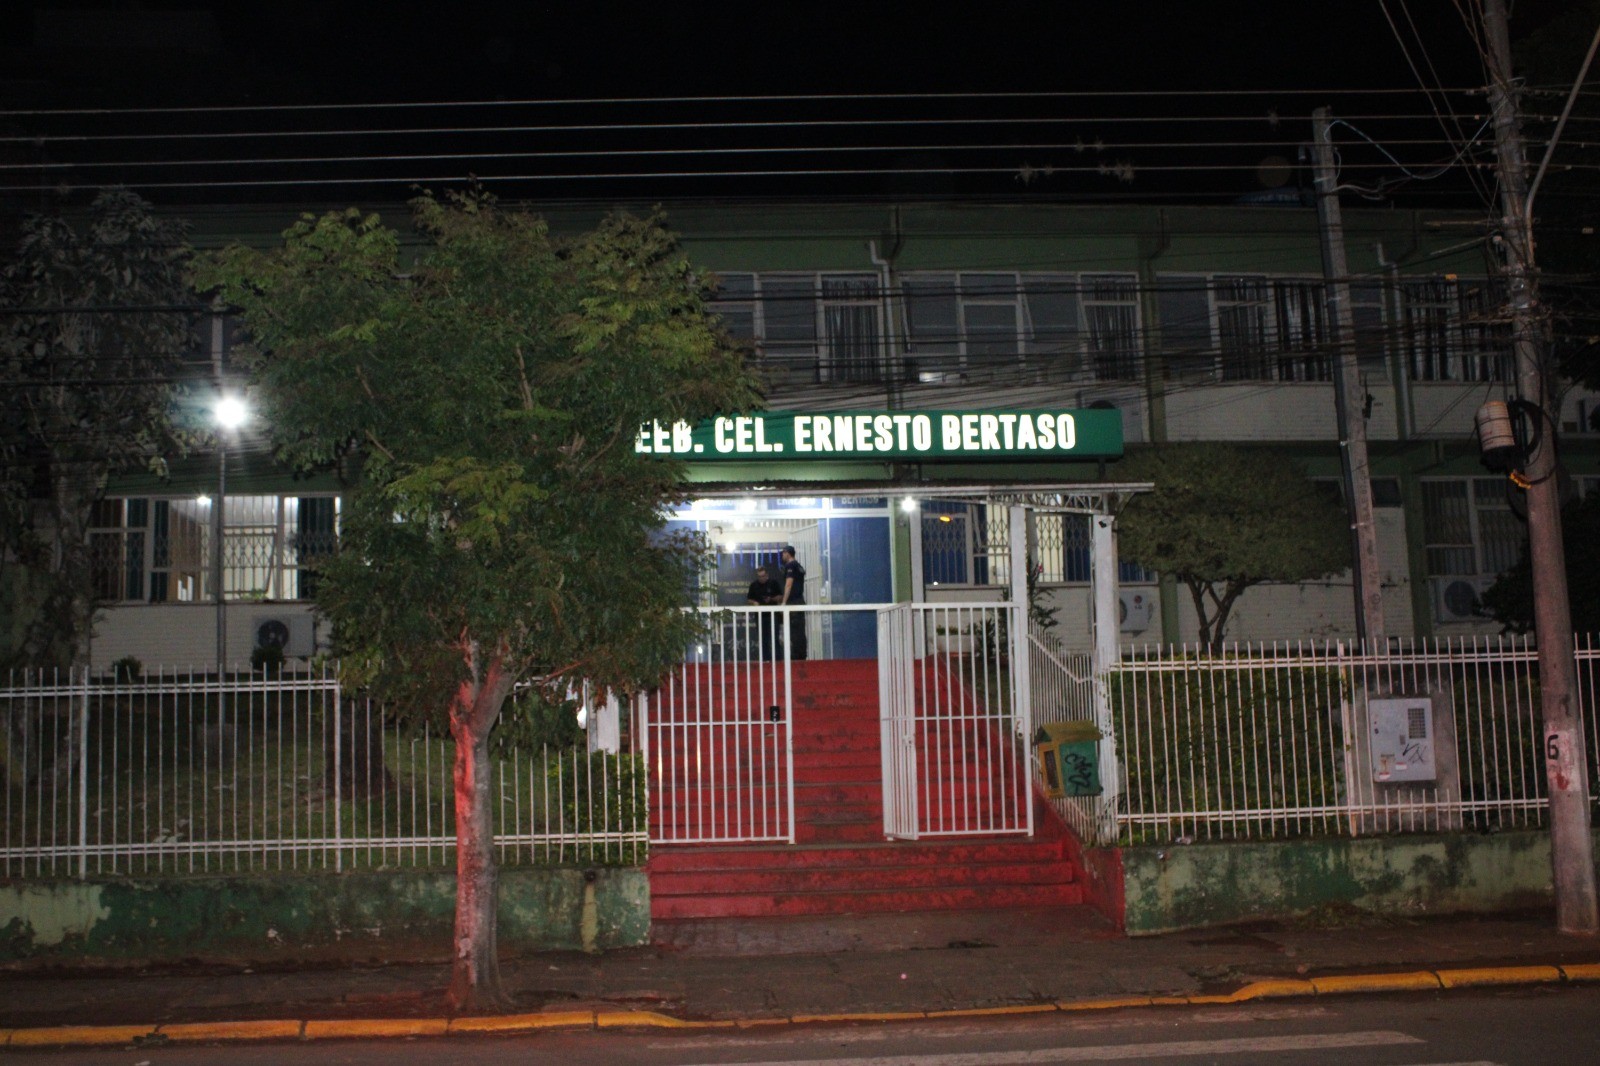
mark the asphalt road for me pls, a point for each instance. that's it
(1527, 1025)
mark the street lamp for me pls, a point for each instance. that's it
(227, 415)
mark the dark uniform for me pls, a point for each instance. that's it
(766, 593)
(794, 579)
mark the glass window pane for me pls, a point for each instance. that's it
(989, 285)
(991, 329)
(931, 315)
(789, 311)
(1052, 301)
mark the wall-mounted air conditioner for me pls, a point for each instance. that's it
(1135, 608)
(1456, 599)
(294, 633)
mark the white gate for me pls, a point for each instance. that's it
(717, 736)
(954, 721)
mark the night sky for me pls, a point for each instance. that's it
(1233, 84)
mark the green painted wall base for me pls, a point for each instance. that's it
(393, 916)
(1195, 885)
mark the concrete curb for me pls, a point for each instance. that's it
(379, 1028)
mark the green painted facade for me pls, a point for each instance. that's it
(1197, 885)
(346, 917)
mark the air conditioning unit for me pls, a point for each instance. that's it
(294, 633)
(1135, 608)
(1456, 599)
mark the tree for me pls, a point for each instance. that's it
(1509, 600)
(503, 527)
(1223, 519)
(95, 326)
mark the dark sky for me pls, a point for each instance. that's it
(1235, 83)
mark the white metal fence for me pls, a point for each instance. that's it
(1062, 686)
(179, 772)
(1277, 740)
(954, 721)
(717, 734)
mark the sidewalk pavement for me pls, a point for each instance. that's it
(759, 971)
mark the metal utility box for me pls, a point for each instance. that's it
(1069, 758)
(1402, 739)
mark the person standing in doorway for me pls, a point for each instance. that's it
(794, 594)
(765, 592)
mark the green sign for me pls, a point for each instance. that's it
(782, 436)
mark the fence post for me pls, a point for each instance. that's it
(1021, 683)
(1355, 787)
(1106, 655)
(338, 780)
(83, 779)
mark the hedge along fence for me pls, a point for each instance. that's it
(191, 773)
(1270, 740)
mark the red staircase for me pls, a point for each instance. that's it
(840, 863)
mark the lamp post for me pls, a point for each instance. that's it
(227, 415)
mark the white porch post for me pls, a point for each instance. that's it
(1021, 679)
(1103, 549)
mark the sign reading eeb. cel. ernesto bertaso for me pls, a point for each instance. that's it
(789, 435)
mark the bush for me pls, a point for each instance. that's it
(600, 793)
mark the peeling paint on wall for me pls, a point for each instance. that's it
(1190, 886)
(352, 916)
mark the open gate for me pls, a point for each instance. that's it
(954, 720)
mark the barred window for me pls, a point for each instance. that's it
(159, 550)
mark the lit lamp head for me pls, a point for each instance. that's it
(230, 413)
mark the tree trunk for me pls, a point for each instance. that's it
(1198, 593)
(475, 962)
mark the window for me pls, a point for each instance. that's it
(1243, 309)
(158, 550)
(1468, 527)
(969, 543)
(827, 326)
(1452, 330)
(1111, 320)
(1055, 325)
(1248, 328)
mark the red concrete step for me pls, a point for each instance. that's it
(988, 897)
(731, 857)
(826, 744)
(851, 832)
(840, 792)
(842, 767)
(811, 879)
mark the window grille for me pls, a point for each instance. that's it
(159, 550)
(1468, 527)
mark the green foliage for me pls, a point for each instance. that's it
(1222, 519)
(95, 331)
(1509, 600)
(600, 793)
(538, 717)
(491, 391)
(127, 670)
(1217, 739)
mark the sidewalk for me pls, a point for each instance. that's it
(762, 970)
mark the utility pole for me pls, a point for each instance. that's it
(1571, 846)
(1347, 392)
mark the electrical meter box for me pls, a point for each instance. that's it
(1402, 739)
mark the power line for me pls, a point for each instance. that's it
(409, 105)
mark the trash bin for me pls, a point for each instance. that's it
(1069, 758)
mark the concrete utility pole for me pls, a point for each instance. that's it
(1347, 392)
(1571, 846)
